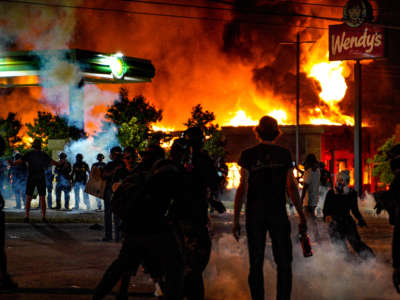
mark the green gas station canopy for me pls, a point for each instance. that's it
(24, 68)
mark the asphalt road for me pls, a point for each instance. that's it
(66, 261)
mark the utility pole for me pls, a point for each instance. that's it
(297, 43)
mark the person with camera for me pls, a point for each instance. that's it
(63, 180)
(266, 173)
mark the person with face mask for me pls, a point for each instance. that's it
(339, 202)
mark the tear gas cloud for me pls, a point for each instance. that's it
(327, 275)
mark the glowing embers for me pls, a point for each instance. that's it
(233, 177)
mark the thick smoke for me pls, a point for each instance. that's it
(328, 274)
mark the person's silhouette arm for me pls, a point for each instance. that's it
(239, 200)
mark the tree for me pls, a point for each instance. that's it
(133, 134)
(132, 119)
(215, 140)
(9, 129)
(49, 126)
(123, 110)
(381, 162)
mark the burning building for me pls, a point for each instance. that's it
(332, 145)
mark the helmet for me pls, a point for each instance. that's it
(100, 156)
(79, 156)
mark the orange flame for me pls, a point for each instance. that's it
(233, 176)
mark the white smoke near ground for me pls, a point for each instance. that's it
(327, 275)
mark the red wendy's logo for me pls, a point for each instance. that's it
(357, 12)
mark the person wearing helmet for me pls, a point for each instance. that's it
(80, 172)
(63, 181)
(98, 166)
(339, 202)
(37, 161)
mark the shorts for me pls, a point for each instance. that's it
(39, 183)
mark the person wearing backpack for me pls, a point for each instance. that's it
(142, 202)
(63, 181)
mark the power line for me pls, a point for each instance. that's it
(159, 14)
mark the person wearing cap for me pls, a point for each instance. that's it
(108, 174)
(310, 192)
(37, 161)
(99, 165)
(80, 174)
(339, 202)
(63, 180)
(266, 173)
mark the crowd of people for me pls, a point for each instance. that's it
(153, 199)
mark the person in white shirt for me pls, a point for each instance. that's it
(310, 192)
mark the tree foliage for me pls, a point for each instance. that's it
(133, 134)
(123, 110)
(381, 162)
(215, 140)
(133, 119)
(9, 129)
(48, 126)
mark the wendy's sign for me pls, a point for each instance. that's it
(351, 43)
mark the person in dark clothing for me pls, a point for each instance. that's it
(6, 283)
(266, 173)
(200, 180)
(100, 166)
(108, 174)
(3, 175)
(37, 161)
(390, 201)
(18, 175)
(149, 239)
(338, 204)
(80, 174)
(63, 181)
(49, 185)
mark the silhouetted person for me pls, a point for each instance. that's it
(267, 170)
(18, 175)
(200, 179)
(63, 181)
(100, 166)
(142, 201)
(310, 192)
(339, 202)
(390, 201)
(38, 161)
(80, 174)
(108, 174)
(5, 280)
(49, 185)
